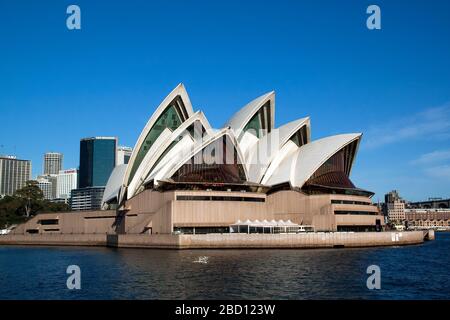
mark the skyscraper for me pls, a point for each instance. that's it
(53, 162)
(46, 186)
(97, 160)
(392, 196)
(66, 182)
(51, 179)
(123, 155)
(14, 174)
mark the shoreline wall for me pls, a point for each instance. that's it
(224, 241)
(54, 239)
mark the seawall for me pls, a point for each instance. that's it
(225, 241)
(54, 239)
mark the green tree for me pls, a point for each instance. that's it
(31, 198)
(25, 203)
(48, 206)
(9, 211)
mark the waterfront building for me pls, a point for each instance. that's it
(186, 177)
(123, 155)
(274, 173)
(396, 211)
(84, 199)
(46, 186)
(53, 162)
(394, 207)
(425, 218)
(14, 173)
(66, 181)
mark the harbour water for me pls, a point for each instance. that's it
(410, 272)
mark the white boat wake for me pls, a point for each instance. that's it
(202, 259)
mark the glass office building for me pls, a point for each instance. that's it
(97, 160)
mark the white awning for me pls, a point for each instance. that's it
(265, 223)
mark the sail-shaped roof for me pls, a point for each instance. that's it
(175, 137)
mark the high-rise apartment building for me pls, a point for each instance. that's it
(395, 207)
(396, 211)
(391, 196)
(14, 174)
(66, 182)
(52, 179)
(46, 186)
(123, 155)
(53, 162)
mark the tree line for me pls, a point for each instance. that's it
(26, 203)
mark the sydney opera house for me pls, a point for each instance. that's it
(186, 177)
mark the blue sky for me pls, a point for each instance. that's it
(393, 84)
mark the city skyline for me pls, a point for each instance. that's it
(362, 81)
(225, 158)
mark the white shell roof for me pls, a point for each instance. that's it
(158, 148)
(283, 172)
(210, 139)
(299, 166)
(286, 151)
(114, 183)
(261, 155)
(173, 158)
(286, 131)
(238, 121)
(180, 90)
(312, 155)
(143, 169)
(270, 160)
